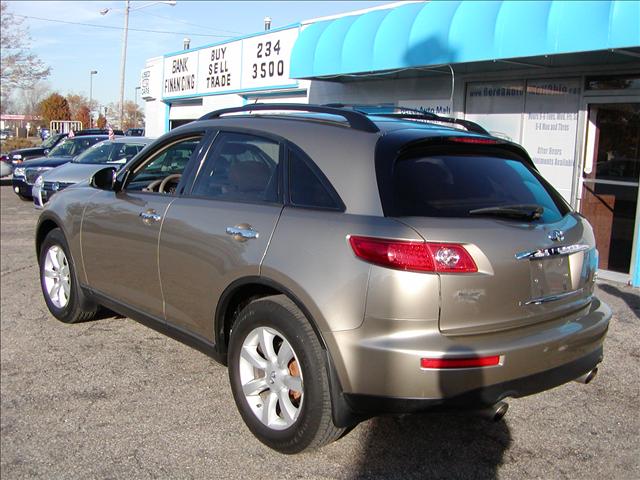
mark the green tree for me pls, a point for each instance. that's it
(19, 68)
(54, 107)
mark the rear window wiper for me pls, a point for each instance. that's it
(526, 212)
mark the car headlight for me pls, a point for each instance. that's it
(19, 171)
(16, 156)
(39, 181)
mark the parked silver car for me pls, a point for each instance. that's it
(108, 152)
(343, 265)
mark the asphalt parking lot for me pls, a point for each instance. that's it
(114, 399)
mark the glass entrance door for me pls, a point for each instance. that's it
(610, 180)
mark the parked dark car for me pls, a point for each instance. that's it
(134, 132)
(22, 154)
(25, 174)
(6, 133)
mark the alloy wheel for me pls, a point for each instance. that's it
(57, 279)
(271, 378)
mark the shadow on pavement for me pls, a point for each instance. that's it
(433, 445)
(631, 298)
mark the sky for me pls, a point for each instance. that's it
(74, 50)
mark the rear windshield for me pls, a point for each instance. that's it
(456, 185)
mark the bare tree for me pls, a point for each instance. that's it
(133, 114)
(19, 68)
(29, 99)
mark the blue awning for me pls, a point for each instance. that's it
(450, 32)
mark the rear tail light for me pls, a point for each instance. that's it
(414, 256)
(460, 362)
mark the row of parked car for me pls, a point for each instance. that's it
(59, 162)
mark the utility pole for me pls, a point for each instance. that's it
(123, 61)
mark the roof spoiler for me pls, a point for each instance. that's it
(411, 114)
(356, 119)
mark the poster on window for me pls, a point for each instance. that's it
(441, 107)
(550, 127)
(497, 106)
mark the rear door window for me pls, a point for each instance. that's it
(241, 167)
(443, 185)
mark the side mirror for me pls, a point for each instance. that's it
(104, 179)
(46, 152)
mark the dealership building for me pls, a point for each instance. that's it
(562, 78)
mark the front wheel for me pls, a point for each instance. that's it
(62, 293)
(279, 377)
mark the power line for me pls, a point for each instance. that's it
(122, 28)
(191, 24)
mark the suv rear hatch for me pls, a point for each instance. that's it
(535, 259)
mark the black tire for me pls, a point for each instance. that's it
(313, 426)
(24, 198)
(79, 308)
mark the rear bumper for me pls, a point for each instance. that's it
(485, 396)
(378, 364)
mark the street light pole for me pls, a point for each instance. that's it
(123, 61)
(91, 74)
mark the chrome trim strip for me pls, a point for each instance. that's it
(551, 298)
(622, 183)
(552, 251)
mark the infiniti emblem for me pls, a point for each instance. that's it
(556, 235)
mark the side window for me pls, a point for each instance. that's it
(305, 187)
(241, 167)
(162, 171)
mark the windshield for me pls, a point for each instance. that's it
(73, 146)
(50, 142)
(109, 152)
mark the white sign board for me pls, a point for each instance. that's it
(266, 59)
(254, 63)
(497, 107)
(220, 68)
(180, 73)
(442, 107)
(150, 80)
(550, 128)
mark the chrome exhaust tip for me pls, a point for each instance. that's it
(587, 377)
(496, 412)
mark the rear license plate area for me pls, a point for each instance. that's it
(550, 276)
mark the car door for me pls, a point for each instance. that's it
(120, 230)
(220, 230)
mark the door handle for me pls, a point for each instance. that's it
(150, 216)
(242, 232)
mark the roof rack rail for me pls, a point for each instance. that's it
(356, 119)
(411, 114)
